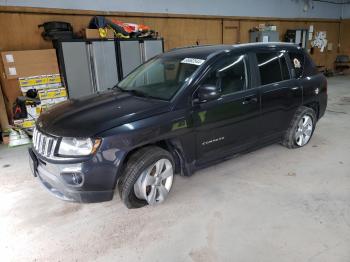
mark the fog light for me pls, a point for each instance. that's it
(72, 178)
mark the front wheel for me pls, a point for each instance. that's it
(301, 128)
(148, 177)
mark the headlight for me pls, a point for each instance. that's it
(70, 146)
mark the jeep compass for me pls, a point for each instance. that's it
(178, 112)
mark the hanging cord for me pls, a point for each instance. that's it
(332, 2)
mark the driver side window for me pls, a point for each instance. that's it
(230, 75)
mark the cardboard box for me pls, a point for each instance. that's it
(4, 123)
(19, 64)
(25, 70)
(5, 139)
(29, 57)
(11, 91)
(94, 33)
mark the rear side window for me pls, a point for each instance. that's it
(298, 61)
(273, 67)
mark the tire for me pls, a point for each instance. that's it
(142, 167)
(291, 138)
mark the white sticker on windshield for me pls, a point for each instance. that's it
(192, 61)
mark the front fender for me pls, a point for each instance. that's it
(173, 130)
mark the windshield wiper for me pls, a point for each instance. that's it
(116, 87)
(136, 92)
(131, 91)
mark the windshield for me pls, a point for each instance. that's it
(161, 77)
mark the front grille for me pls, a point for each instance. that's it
(43, 144)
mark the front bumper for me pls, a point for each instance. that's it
(49, 174)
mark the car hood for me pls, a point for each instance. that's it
(88, 116)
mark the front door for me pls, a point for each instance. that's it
(227, 124)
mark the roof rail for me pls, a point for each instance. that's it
(190, 46)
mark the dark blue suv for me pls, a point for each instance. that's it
(180, 111)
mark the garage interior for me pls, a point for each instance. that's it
(272, 204)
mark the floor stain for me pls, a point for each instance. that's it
(67, 210)
(344, 101)
(207, 252)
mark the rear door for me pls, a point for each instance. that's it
(281, 94)
(228, 124)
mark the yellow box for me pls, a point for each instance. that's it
(52, 79)
(28, 123)
(40, 80)
(52, 93)
(24, 123)
(33, 81)
(24, 82)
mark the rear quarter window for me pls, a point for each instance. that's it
(302, 64)
(298, 62)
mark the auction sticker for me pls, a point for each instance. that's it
(192, 61)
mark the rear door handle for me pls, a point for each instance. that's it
(250, 100)
(295, 88)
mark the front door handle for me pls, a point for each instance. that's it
(250, 100)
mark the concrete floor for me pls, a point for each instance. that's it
(273, 204)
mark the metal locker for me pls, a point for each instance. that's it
(77, 69)
(104, 64)
(130, 54)
(151, 48)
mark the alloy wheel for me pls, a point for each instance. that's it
(304, 130)
(155, 182)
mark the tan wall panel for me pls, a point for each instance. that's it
(230, 31)
(326, 58)
(185, 32)
(345, 37)
(20, 31)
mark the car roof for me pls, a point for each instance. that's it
(204, 51)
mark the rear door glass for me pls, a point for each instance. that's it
(269, 67)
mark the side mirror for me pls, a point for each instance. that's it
(208, 93)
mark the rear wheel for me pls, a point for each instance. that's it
(301, 128)
(148, 177)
